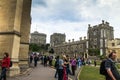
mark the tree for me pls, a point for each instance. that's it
(34, 47)
(46, 47)
(94, 52)
(51, 51)
(38, 48)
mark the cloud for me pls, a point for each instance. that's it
(37, 3)
(73, 30)
(73, 16)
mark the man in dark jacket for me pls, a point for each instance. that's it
(35, 60)
(112, 72)
(56, 66)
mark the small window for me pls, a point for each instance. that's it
(113, 44)
(94, 33)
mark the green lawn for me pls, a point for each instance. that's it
(90, 73)
(97, 61)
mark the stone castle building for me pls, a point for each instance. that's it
(38, 38)
(15, 23)
(98, 36)
(73, 48)
(57, 38)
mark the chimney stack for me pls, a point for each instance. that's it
(103, 21)
(72, 40)
(80, 38)
(69, 40)
(107, 23)
(85, 38)
(89, 25)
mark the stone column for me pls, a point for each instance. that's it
(10, 19)
(25, 33)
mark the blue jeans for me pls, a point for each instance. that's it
(3, 74)
(68, 71)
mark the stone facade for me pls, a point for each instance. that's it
(25, 32)
(98, 36)
(57, 38)
(73, 48)
(38, 38)
(98, 39)
(114, 45)
(15, 24)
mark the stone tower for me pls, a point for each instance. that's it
(98, 36)
(57, 38)
(38, 38)
(15, 24)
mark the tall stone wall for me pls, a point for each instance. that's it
(25, 33)
(14, 31)
(10, 19)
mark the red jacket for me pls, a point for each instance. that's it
(6, 62)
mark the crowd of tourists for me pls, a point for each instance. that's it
(45, 60)
(65, 65)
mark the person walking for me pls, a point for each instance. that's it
(111, 69)
(60, 69)
(56, 66)
(67, 64)
(35, 60)
(73, 65)
(50, 60)
(79, 62)
(95, 62)
(5, 64)
(31, 58)
(45, 61)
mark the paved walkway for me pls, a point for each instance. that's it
(38, 73)
(76, 74)
(41, 73)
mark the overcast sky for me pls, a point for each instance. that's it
(73, 16)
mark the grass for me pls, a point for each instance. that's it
(97, 61)
(90, 73)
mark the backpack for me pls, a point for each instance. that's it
(102, 68)
(11, 63)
